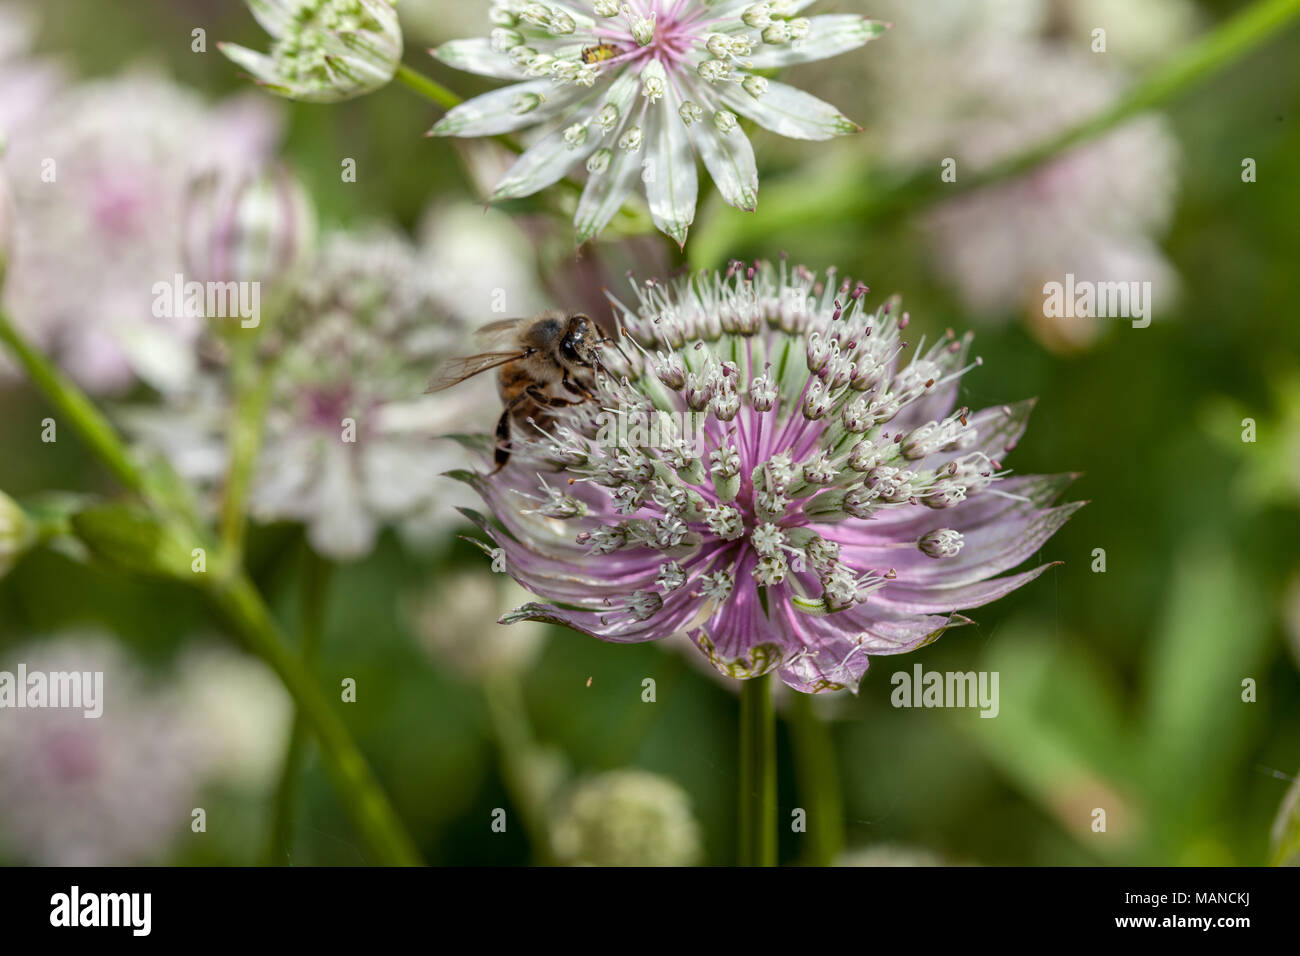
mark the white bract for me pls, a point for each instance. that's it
(636, 90)
(325, 51)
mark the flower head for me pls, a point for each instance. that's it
(627, 818)
(110, 790)
(325, 51)
(637, 89)
(351, 443)
(99, 178)
(787, 490)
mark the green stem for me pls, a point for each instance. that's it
(236, 595)
(360, 792)
(757, 797)
(427, 87)
(315, 590)
(517, 752)
(75, 406)
(797, 201)
(819, 781)
(252, 392)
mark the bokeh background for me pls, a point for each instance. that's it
(1120, 689)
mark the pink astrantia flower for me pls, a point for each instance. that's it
(636, 89)
(763, 471)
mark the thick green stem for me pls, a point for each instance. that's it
(824, 200)
(819, 781)
(315, 590)
(757, 795)
(236, 595)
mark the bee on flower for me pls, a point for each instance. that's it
(637, 90)
(841, 505)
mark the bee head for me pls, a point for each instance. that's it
(582, 341)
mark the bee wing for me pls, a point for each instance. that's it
(494, 335)
(457, 370)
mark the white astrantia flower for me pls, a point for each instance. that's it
(352, 444)
(636, 90)
(111, 790)
(98, 181)
(627, 818)
(325, 51)
(243, 710)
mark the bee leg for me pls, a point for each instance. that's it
(538, 397)
(501, 454)
(577, 388)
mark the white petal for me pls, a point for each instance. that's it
(497, 112)
(260, 66)
(477, 56)
(605, 192)
(729, 158)
(273, 15)
(830, 35)
(546, 161)
(789, 111)
(340, 526)
(671, 184)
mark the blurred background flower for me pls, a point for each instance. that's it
(78, 791)
(954, 87)
(626, 818)
(350, 443)
(325, 51)
(99, 177)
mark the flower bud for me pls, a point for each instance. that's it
(627, 818)
(17, 533)
(325, 51)
(256, 226)
(943, 543)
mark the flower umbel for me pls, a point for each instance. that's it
(637, 89)
(833, 504)
(325, 51)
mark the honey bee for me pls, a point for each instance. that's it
(599, 53)
(545, 362)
